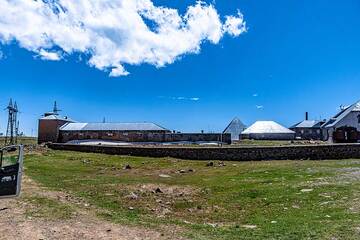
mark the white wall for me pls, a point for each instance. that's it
(351, 120)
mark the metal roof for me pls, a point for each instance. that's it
(57, 117)
(73, 126)
(308, 124)
(342, 114)
(112, 127)
(262, 127)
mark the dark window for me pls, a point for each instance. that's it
(359, 119)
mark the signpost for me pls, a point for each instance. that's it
(11, 168)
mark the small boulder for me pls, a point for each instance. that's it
(249, 226)
(164, 176)
(307, 190)
(222, 164)
(210, 164)
(127, 167)
(133, 196)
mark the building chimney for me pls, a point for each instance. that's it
(306, 116)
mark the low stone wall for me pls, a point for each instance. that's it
(318, 152)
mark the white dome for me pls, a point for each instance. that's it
(261, 127)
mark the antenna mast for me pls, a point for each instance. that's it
(55, 109)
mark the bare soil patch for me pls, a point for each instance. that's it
(17, 223)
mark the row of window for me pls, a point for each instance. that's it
(310, 131)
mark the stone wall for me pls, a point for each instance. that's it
(316, 152)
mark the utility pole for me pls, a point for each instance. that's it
(12, 126)
(16, 123)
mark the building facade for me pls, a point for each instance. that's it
(308, 129)
(127, 132)
(344, 127)
(49, 126)
(56, 129)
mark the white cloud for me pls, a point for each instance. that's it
(255, 95)
(181, 98)
(234, 25)
(259, 106)
(52, 56)
(1, 55)
(112, 33)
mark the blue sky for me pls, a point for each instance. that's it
(296, 56)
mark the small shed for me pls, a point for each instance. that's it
(235, 128)
(268, 130)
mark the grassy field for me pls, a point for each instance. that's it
(248, 200)
(21, 140)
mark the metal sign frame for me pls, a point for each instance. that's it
(20, 161)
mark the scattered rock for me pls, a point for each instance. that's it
(214, 225)
(158, 200)
(307, 190)
(166, 211)
(249, 226)
(127, 167)
(182, 171)
(210, 164)
(158, 190)
(191, 170)
(85, 161)
(222, 164)
(131, 208)
(273, 222)
(164, 176)
(133, 196)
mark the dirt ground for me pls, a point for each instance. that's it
(83, 224)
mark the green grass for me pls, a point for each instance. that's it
(213, 202)
(43, 207)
